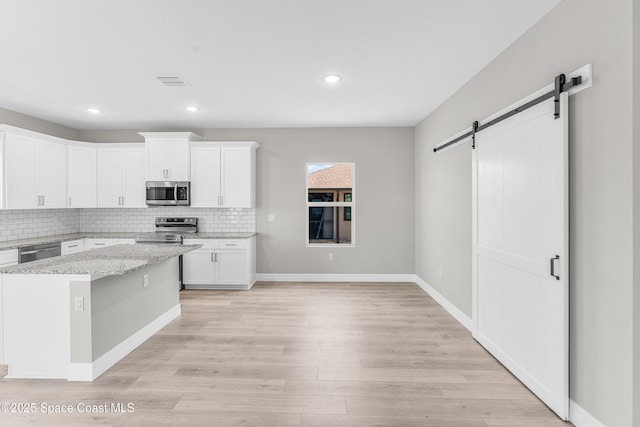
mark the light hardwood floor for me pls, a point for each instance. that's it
(299, 354)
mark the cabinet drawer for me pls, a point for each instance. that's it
(71, 247)
(231, 244)
(206, 243)
(101, 243)
(9, 257)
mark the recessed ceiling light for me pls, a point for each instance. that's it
(332, 78)
(93, 110)
(192, 109)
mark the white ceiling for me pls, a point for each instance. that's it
(250, 63)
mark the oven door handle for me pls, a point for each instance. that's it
(175, 193)
(37, 251)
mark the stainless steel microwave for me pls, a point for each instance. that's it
(168, 193)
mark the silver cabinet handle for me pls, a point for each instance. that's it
(175, 193)
(99, 244)
(230, 244)
(216, 257)
(72, 246)
(123, 200)
(552, 266)
(42, 200)
(212, 257)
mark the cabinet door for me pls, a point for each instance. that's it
(231, 267)
(178, 159)
(156, 153)
(197, 268)
(21, 176)
(134, 191)
(109, 178)
(205, 177)
(52, 174)
(237, 177)
(82, 177)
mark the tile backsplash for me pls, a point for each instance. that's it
(28, 223)
(23, 224)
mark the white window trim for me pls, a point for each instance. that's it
(351, 204)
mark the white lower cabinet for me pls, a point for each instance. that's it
(71, 247)
(8, 258)
(220, 264)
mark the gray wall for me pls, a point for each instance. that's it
(12, 118)
(384, 214)
(601, 172)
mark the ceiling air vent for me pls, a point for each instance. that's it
(172, 81)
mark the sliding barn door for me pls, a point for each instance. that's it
(520, 248)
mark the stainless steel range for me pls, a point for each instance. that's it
(170, 230)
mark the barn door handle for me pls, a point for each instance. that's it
(552, 266)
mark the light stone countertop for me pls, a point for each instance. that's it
(114, 260)
(15, 244)
(245, 235)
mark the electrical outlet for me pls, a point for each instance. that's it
(79, 303)
(330, 256)
(145, 280)
(271, 218)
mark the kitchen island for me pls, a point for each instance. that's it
(73, 317)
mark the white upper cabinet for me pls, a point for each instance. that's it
(41, 171)
(82, 177)
(223, 174)
(237, 177)
(133, 187)
(121, 177)
(167, 155)
(52, 174)
(205, 176)
(35, 173)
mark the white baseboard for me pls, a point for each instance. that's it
(267, 277)
(451, 309)
(581, 418)
(91, 371)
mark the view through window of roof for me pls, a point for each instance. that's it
(330, 204)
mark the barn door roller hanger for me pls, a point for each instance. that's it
(560, 85)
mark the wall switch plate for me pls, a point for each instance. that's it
(145, 280)
(330, 256)
(78, 304)
(271, 218)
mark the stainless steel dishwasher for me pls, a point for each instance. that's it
(36, 252)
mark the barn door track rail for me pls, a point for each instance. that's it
(560, 85)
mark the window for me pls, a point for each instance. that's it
(330, 204)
